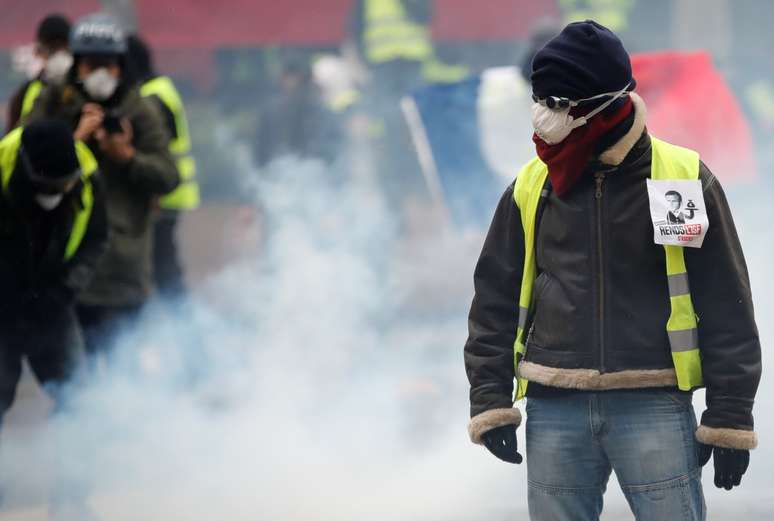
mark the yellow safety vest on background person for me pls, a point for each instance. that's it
(669, 162)
(389, 34)
(186, 196)
(30, 95)
(613, 14)
(436, 71)
(9, 152)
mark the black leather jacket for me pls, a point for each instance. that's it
(601, 300)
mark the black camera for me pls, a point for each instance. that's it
(112, 123)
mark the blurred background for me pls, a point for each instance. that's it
(316, 372)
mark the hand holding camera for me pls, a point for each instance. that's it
(115, 138)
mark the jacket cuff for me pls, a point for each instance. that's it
(491, 419)
(727, 438)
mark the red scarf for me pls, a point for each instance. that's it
(567, 160)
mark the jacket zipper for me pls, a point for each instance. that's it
(599, 177)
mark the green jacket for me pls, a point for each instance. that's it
(123, 276)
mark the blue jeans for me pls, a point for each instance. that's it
(646, 436)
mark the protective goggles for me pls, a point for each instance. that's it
(560, 103)
(46, 183)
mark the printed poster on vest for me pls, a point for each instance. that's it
(678, 212)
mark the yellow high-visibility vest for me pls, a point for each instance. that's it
(9, 153)
(30, 95)
(668, 162)
(613, 14)
(186, 195)
(389, 34)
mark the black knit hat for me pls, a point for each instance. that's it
(54, 30)
(48, 147)
(584, 60)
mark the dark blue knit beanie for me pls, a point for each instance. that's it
(584, 60)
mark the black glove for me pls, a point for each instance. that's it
(730, 464)
(501, 441)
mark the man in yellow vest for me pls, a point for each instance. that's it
(167, 268)
(582, 296)
(51, 49)
(53, 230)
(393, 40)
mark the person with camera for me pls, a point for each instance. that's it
(102, 104)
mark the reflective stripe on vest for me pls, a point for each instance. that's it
(673, 162)
(30, 95)
(436, 71)
(389, 33)
(186, 196)
(668, 162)
(9, 150)
(613, 14)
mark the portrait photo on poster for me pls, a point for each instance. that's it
(678, 212)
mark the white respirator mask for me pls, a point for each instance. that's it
(57, 67)
(551, 117)
(48, 201)
(100, 84)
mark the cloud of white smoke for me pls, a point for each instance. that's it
(319, 377)
(313, 380)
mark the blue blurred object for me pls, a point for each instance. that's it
(450, 123)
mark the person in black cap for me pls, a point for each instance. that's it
(581, 301)
(53, 231)
(51, 47)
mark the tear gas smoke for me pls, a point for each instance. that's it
(308, 380)
(319, 376)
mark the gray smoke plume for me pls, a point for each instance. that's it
(318, 376)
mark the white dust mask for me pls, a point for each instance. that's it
(100, 84)
(553, 125)
(57, 67)
(48, 201)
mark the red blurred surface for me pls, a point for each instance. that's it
(207, 24)
(202, 23)
(471, 20)
(690, 104)
(19, 19)
(241, 23)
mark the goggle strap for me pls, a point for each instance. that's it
(615, 94)
(606, 104)
(574, 103)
